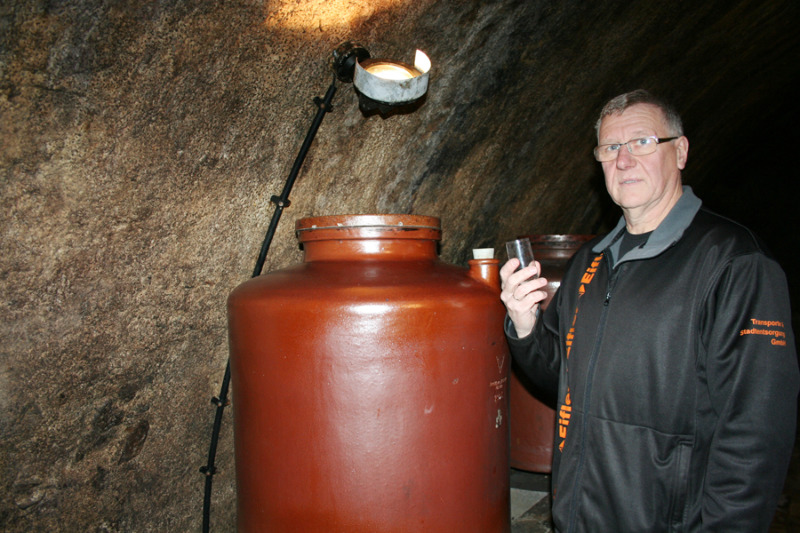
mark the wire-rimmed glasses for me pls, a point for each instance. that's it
(640, 146)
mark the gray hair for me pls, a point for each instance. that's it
(622, 102)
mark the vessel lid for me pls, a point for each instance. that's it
(368, 226)
(558, 241)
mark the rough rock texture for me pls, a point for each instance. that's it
(141, 141)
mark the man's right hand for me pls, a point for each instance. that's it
(522, 295)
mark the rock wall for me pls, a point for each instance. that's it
(140, 143)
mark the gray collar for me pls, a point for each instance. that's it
(665, 235)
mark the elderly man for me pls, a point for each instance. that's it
(670, 340)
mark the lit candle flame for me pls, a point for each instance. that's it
(389, 71)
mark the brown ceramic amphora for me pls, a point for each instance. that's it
(370, 385)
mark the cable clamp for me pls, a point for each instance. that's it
(280, 202)
(216, 401)
(321, 104)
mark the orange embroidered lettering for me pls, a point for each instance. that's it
(778, 334)
(565, 411)
(570, 336)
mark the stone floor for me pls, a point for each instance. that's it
(530, 501)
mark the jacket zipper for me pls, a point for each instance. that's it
(601, 324)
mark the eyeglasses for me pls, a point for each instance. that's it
(641, 146)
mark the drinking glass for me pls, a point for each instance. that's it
(521, 249)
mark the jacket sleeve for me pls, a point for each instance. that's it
(752, 379)
(537, 355)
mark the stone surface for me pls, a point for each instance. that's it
(140, 143)
(536, 520)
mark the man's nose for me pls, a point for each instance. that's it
(625, 159)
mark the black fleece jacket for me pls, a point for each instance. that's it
(677, 376)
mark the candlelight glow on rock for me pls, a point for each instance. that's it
(326, 15)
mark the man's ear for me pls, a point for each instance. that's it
(682, 146)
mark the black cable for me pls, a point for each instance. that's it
(209, 470)
(281, 202)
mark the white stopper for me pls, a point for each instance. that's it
(483, 253)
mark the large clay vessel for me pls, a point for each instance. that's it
(370, 385)
(532, 423)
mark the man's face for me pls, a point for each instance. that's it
(645, 187)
